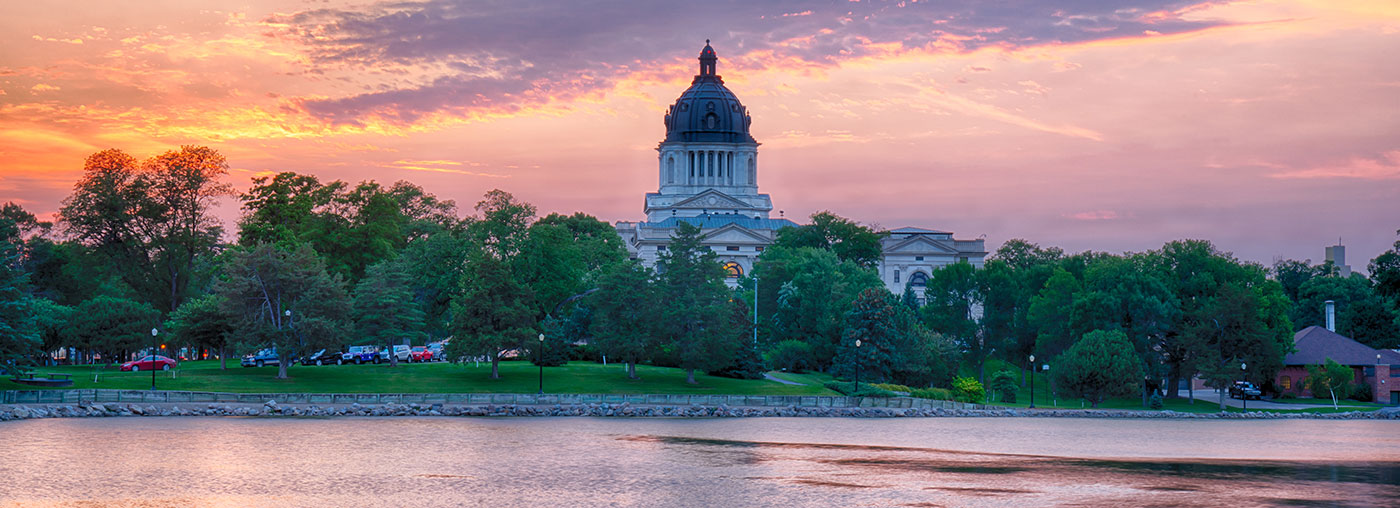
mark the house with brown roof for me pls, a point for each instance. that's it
(1377, 368)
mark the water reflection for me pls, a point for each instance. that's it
(756, 462)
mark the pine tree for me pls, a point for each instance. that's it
(693, 296)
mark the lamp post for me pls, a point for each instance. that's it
(857, 390)
(539, 360)
(1032, 382)
(154, 333)
(1244, 395)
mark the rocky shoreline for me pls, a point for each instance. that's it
(624, 410)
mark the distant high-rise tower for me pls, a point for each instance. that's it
(1337, 255)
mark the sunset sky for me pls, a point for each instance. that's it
(1270, 128)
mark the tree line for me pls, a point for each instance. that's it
(329, 264)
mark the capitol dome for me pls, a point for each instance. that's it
(708, 111)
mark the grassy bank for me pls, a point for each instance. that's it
(516, 377)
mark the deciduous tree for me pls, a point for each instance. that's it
(1100, 365)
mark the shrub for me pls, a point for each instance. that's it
(1004, 385)
(1360, 392)
(747, 364)
(848, 389)
(1287, 395)
(932, 393)
(892, 387)
(585, 353)
(966, 389)
(1156, 401)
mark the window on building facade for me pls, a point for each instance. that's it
(918, 279)
(660, 247)
(735, 271)
(732, 248)
(896, 276)
(1286, 383)
(759, 248)
(918, 258)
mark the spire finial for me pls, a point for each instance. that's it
(707, 42)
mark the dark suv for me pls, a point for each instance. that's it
(1244, 390)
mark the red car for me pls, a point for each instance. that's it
(147, 363)
(421, 354)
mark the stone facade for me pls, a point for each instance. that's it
(707, 175)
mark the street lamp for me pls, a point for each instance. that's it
(539, 360)
(1244, 395)
(1032, 382)
(857, 390)
(154, 333)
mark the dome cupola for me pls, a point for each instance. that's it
(708, 111)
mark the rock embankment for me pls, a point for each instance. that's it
(272, 409)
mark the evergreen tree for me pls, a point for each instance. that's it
(204, 322)
(871, 320)
(19, 338)
(384, 309)
(492, 313)
(1100, 365)
(693, 297)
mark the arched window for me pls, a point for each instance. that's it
(671, 169)
(735, 271)
(711, 121)
(918, 279)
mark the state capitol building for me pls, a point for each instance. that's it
(707, 175)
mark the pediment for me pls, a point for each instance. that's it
(919, 244)
(712, 199)
(733, 233)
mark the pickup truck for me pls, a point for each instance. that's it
(260, 358)
(361, 354)
(1244, 390)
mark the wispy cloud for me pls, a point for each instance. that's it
(1094, 215)
(441, 166)
(1385, 167)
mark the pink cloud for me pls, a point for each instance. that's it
(1095, 215)
(1387, 167)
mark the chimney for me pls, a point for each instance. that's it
(1331, 316)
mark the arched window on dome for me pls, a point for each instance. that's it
(735, 271)
(711, 121)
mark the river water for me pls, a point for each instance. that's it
(787, 462)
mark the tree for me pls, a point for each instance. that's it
(849, 240)
(435, 266)
(955, 294)
(814, 289)
(790, 356)
(1128, 294)
(597, 242)
(871, 320)
(624, 314)
(204, 322)
(1292, 274)
(1051, 313)
(745, 361)
(1385, 272)
(1329, 377)
(1102, 364)
(1004, 385)
(153, 221)
(384, 310)
(492, 313)
(693, 298)
(111, 327)
(19, 338)
(51, 322)
(1310, 308)
(284, 300)
(1369, 322)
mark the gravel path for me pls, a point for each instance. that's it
(783, 381)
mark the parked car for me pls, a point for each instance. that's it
(361, 354)
(1244, 390)
(403, 353)
(149, 363)
(421, 354)
(323, 357)
(437, 351)
(261, 358)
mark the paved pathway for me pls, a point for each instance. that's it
(1213, 397)
(783, 381)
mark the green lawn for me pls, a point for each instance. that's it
(516, 377)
